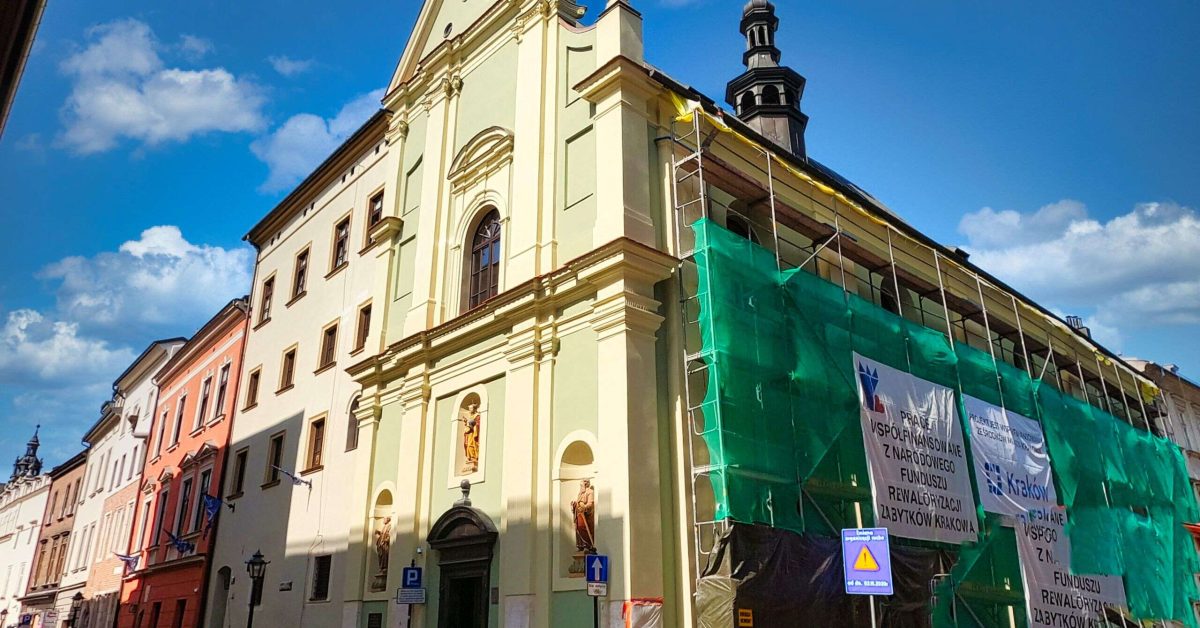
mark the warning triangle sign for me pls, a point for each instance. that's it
(865, 561)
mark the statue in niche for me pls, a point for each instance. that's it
(583, 518)
(584, 511)
(383, 548)
(472, 428)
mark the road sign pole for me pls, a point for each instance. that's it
(871, 601)
(595, 612)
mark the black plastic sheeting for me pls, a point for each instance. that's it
(787, 580)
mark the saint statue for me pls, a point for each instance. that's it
(472, 428)
(383, 547)
(583, 509)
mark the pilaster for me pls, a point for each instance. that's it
(630, 512)
(624, 99)
(412, 483)
(439, 144)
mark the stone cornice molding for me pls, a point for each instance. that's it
(620, 74)
(634, 266)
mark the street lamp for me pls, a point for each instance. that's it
(257, 568)
(76, 604)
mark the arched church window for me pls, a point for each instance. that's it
(770, 95)
(747, 101)
(352, 425)
(484, 280)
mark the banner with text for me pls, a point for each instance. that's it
(1012, 469)
(1054, 596)
(915, 454)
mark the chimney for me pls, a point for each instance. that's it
(767, 95)
(1076, 323)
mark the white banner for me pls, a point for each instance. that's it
(1012, 470)
(1055, 597)
(916, 456)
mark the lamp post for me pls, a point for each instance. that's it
(76, 604)
(257, 568)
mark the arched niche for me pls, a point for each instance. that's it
(469, 426)
(576, 509)
(382, 519)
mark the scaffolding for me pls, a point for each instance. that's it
(927, 288)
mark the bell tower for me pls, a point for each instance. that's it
(767, 95)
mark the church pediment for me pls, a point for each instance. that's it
(490, 148)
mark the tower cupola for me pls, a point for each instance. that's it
(28, 465)
(767, 95)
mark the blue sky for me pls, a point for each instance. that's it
(1057, 143)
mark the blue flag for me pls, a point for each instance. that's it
(180, 545)
(212, 505)
(131, 561)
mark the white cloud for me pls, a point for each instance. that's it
(122, 89)
(41, 352)
(159, 281)
(194, 47)
(290, 67)
(301, 143)
(1137, 269)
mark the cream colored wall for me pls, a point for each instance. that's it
(291, 524)
(574, 362)
(21, 509)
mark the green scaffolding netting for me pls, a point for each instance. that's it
(785, 444)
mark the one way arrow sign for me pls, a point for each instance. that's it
(597, 575)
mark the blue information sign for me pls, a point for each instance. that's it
(597, 568)
(868, 561)
(411, 578)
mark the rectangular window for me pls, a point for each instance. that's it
(320, 581)
(180, 609)
(316, 443)
(160, 520)
(252, 387)
(178, 419)
(300, 275)
(375, 210)
(364, 327)
(143, 525)
(274, 458)
(239, 472)
(202, 409)
(341, 244)
(185, 501)
(155, 611)
(60, 566)
(287, 373)
(198, 510)
(222, 386)
(328, 346)
(264, 301)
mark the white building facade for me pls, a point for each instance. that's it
(311, 316)
(22, 505)
(105, 511)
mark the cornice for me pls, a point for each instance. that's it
(622, 260)
(619, 73)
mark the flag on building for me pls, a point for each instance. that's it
(180, 545)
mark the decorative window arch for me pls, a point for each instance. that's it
(482, 275)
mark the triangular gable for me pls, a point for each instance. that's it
(430, 31)
(440, 21)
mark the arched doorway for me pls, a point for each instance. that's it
(464, 539)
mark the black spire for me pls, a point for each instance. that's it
(28, 465)
(767, 96)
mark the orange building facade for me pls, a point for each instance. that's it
(173, 533)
